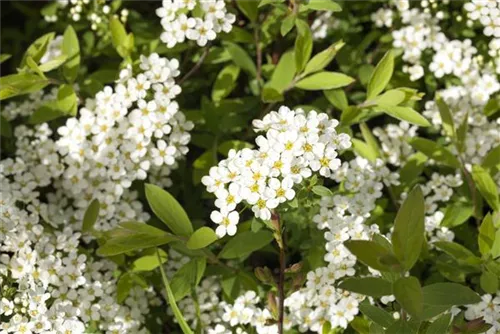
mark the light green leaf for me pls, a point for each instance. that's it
(364, 150)
(412, 168)
(71, 49)
(392, 97)
(303, 45)
(409, 295)
(67, 100)
(20, 84)
(337, 97)
(449, 294)
(370, 139)
(486, 186)
(369, 286)
(492, 159)
(446, 117)
(149, 260)
(324, 80)
(34, 67)
(283, 73)
(408, 234)
(322, 59)
(241, 58)
(225, 82)
(458, 252)
(166, 207)
(486, 236)
(53, 63)
(91, 215)
(201, 238)
(327, 5)
(287, 24)
(456, 214)
(381, 75)
(321, 191)
(405, 114)
(118, 36)
(462, 133)
(435, 152)
(37, 49)
(244, 243)
(171, 300)
(187, 277)
(440, 325)
(123, 287)
(5, 127)
(4, 57)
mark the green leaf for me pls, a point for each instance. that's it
(409, 295)
(413, 167)
(492, 159)
(244, 243)
(123, 287)
(409, 228)
(324, 80)
(303, 45)
(287, 24)
(187, 277)
(327, 5)
(46, 112)
(241, 58)
(337, 97)
(400, 326)
(440, 325)
(369, 286)
(90, 216)
(166, 207)
(392, 97)
(53, 63)
(446, 117)
(131, 236)
(486, 186)
(225, 82)
(369, 253)
(37, 49)
(486, 236)
(376, 314)
(321, 191)
(118, 36)
(322, 59)
(456, 214)
(5, 127)
(283, 73)
(458, 252)
(449, 294)
(492, 106)
(71, 49)
(462, 133)
(4, 57)
(489, 282)
(34, 67)
(364, 150)
(67, 100)
(149, 261)
(381, 75)
(20, 84)
(171, 300)
(201, 238)
(435, 152)
(249, 8)
(405, 114)
(370, 139)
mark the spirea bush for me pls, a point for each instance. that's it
(250, 167)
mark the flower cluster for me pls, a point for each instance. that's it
(179, 22)
(95, 13)
(487, 13)
(488, 309)
(294, 146)
(124, 134)
(394, 141)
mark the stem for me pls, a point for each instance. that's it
(472, 189)
(278, 235)
(259, 54)
(196, 67)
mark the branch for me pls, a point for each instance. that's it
(278, 235)
(196, 67)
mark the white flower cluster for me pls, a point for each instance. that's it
(27, 106)
(48, 284)
(123, 135)
(487, 13)
(394, 142)
(321, 24)
(179, 23)
(96, 12)
(54, 50)
(383, 17)
(294, 146)
(488, 309)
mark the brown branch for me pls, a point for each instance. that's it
(196, 67)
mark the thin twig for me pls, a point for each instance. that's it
(258, 50)
(196, 67)
(278, 235)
